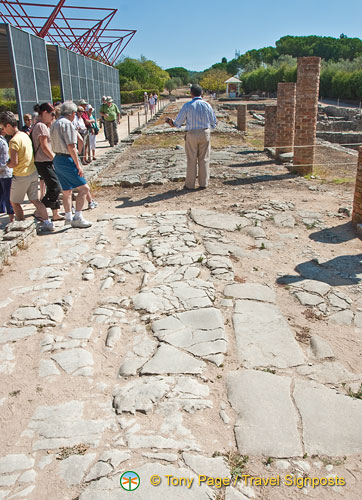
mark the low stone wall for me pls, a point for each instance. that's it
(15, 236)
(340, 126)
(347, 113)
(250, 107)
(341, 137)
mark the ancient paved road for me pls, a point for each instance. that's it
(117, 337)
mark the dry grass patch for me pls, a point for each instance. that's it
(160, 141)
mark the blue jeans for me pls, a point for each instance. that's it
(5, 205)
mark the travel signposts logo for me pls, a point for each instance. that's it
(130, 480)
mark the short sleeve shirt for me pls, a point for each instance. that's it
(62, 133)
(112, 111)
(21, 143)
(39, 130)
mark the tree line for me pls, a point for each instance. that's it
(259, 69)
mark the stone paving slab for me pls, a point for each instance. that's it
(267, 420)
(251, 291)
(168, 359)
(200, 332)
(63, 425)
(216, 220)
(332, 423)
(263, 336)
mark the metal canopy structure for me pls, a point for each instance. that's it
(32, 67)
(25, 67)
(80, 77)
(60, 25)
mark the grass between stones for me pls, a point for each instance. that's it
(66, 452)
(235, 461)
(355, 395)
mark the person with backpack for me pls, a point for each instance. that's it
(43, 155)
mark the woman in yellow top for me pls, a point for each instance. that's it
(25, 175)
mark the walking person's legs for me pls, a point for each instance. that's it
(115, 133)
(53, 189)
(5, 186)
(2, 202)
(108, 128)
(204, 149)
(69, 179)
(92, 145)
(191, 155)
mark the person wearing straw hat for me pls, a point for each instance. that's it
(112, 117)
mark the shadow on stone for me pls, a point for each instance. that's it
(252, 164)
(259, 178)
(174, 193)
(340, 271)
(335, 235)
(250, 151)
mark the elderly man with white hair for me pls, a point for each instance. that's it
(67, 165)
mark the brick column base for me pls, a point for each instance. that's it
(242, 110)
(270, 128)
(357, 200)
(285, 118)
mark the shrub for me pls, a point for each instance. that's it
(8, 106)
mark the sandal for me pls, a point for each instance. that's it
(58, 218)
(38, 217)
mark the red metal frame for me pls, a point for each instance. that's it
(97, 40)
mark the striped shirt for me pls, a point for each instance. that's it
(197, 113)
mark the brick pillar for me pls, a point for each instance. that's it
(357, 200)
(306, 113)
(241, 124)
(270, 127)
(285, 118)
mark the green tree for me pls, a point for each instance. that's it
(214, 80)
(171, 85)
(147, 74)
(179, 72)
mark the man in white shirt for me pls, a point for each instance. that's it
(200, 118)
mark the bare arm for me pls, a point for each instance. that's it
(170, 122)
(14, 158)
(73, 153)
(45, 147)
(79, 142)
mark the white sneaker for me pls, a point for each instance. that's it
(68, 222)
(92, 204)
(47, 228)
(81, 223)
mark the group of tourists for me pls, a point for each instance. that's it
(150, 102)
(54, 144)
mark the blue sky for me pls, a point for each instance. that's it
(196, 34)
